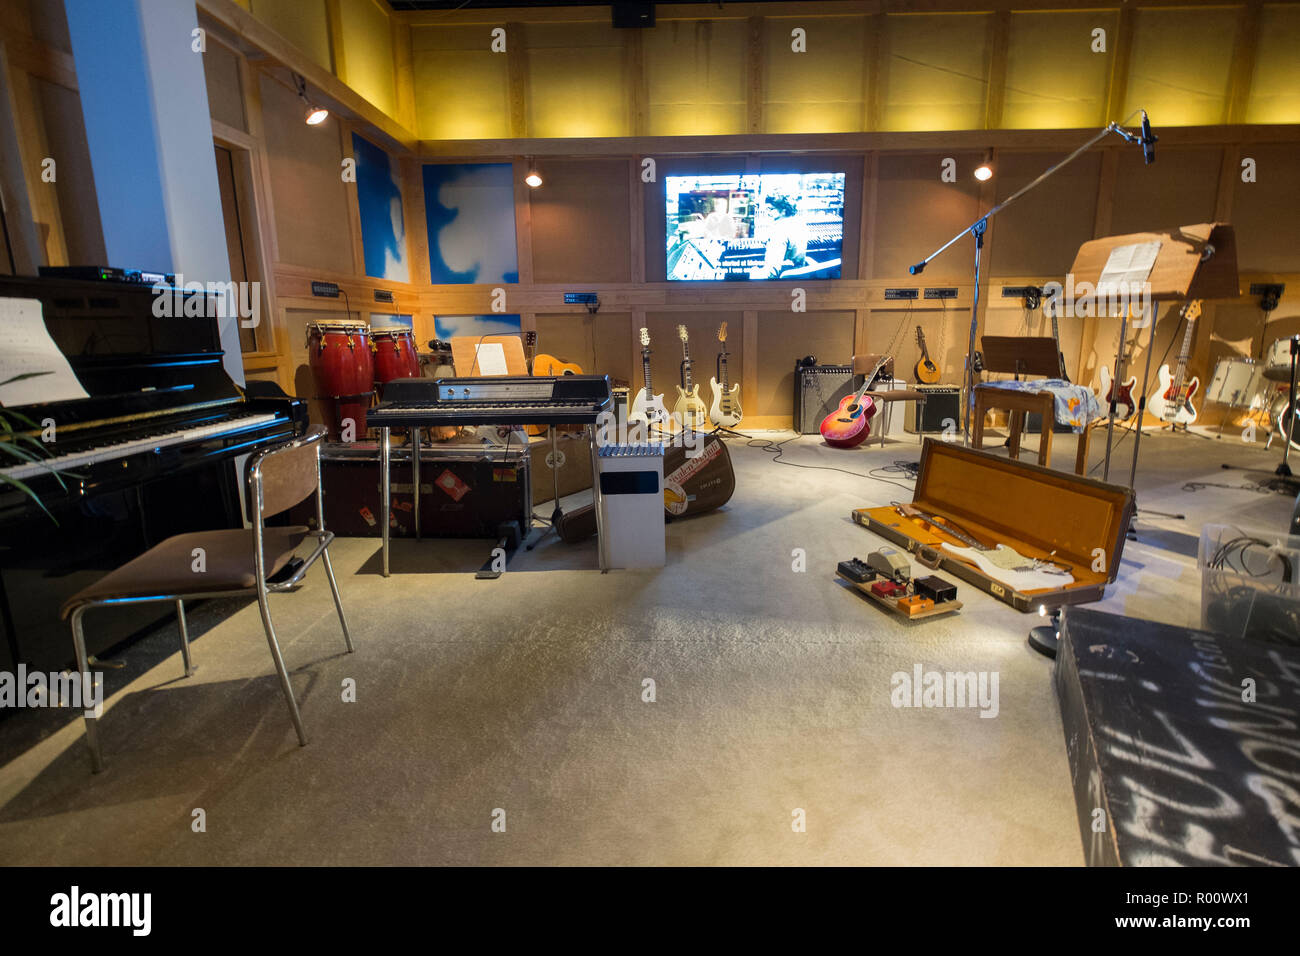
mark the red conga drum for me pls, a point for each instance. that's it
(395, 355)
(343, 367)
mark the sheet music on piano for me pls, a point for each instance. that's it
(29, 350)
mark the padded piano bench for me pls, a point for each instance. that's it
(989, 395)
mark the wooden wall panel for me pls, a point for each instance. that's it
(1273, 96)
(695, 77)
(818, 91)
(1180, 64)
(580, 222)
(225, 95)
(1040, 233)
(1266, 213)
(702, 328)
(368, 40)
(302, 22)
(577, 80)
(598, 342)
(937, 73)
(461, 86)
(1054, 79)
(1176, 190)
(83, 232)
(310, 198)
(785, 337)
(916, 213)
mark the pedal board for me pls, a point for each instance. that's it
(885, 578)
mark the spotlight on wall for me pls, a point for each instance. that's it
(533, 178)
(315, 115)
(984, 171)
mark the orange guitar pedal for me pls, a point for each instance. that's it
(915, 604)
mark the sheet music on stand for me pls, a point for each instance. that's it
(29, 350)
(1127, 268)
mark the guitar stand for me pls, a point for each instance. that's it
(729, 431)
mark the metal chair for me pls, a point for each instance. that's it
(224, 563)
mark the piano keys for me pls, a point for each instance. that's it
(492, 400)
(149, 453)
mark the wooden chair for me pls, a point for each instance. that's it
(864, 365)
(1022, 356)
(224, 563)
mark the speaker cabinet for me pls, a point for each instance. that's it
(942, 405)
(817, 392)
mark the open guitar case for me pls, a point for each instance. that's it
(1076, 522)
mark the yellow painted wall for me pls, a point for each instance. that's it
(819, 90)
(936, 71)
(577, 76)
(1275, 86)
(1180, 64)
(368, 52)
(302, 22)
(695, 75)
(462, 88)
(1054, 78)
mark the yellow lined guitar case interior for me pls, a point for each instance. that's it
(1077, 522)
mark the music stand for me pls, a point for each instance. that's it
(1194, 262)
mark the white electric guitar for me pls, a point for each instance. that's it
(1001, 562)
(646, 406)
(1172, 401)
(724, 410)
(689, 409)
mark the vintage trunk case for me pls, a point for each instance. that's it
(1078, 522)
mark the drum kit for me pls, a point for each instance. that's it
(1244, 383)
(349, 361)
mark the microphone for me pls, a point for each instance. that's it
(1148, 141)
(917, 269)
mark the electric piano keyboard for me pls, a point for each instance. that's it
(498, 400)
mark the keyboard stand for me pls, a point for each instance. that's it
(509, 540)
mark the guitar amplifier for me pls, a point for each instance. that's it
(942, 405)
(817, 392)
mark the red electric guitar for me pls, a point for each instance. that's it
(850, 424)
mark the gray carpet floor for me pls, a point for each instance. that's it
(525, 695)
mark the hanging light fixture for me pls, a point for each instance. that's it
(315, 114)
(533, 178)
(984, 171)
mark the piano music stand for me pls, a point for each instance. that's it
(1194, 262)
(1022, 355)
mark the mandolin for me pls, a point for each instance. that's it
(725, 408)
(850, 424)
(926, 372)
(689, 409)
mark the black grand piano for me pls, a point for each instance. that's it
(152, 448)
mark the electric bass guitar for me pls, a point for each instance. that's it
(689, 409)
(926, 372)
(850, 424)
(1172, 401)
(725, 407)
(1112, 392)
(647, 407)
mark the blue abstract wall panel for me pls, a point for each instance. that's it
(379, 197)
(447, 326)
(470, 213)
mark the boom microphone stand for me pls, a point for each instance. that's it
(1145, 139)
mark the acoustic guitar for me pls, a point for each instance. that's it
(1172, 401)
(850, 424)
(926, 372)
(689, 408)
(544, 365)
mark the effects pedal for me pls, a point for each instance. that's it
(890, 563)
(936, 589)
(856, 571)
(887, 589)
(915, 604)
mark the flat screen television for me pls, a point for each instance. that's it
(764, 226)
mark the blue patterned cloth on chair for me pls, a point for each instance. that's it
(1076, 405)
